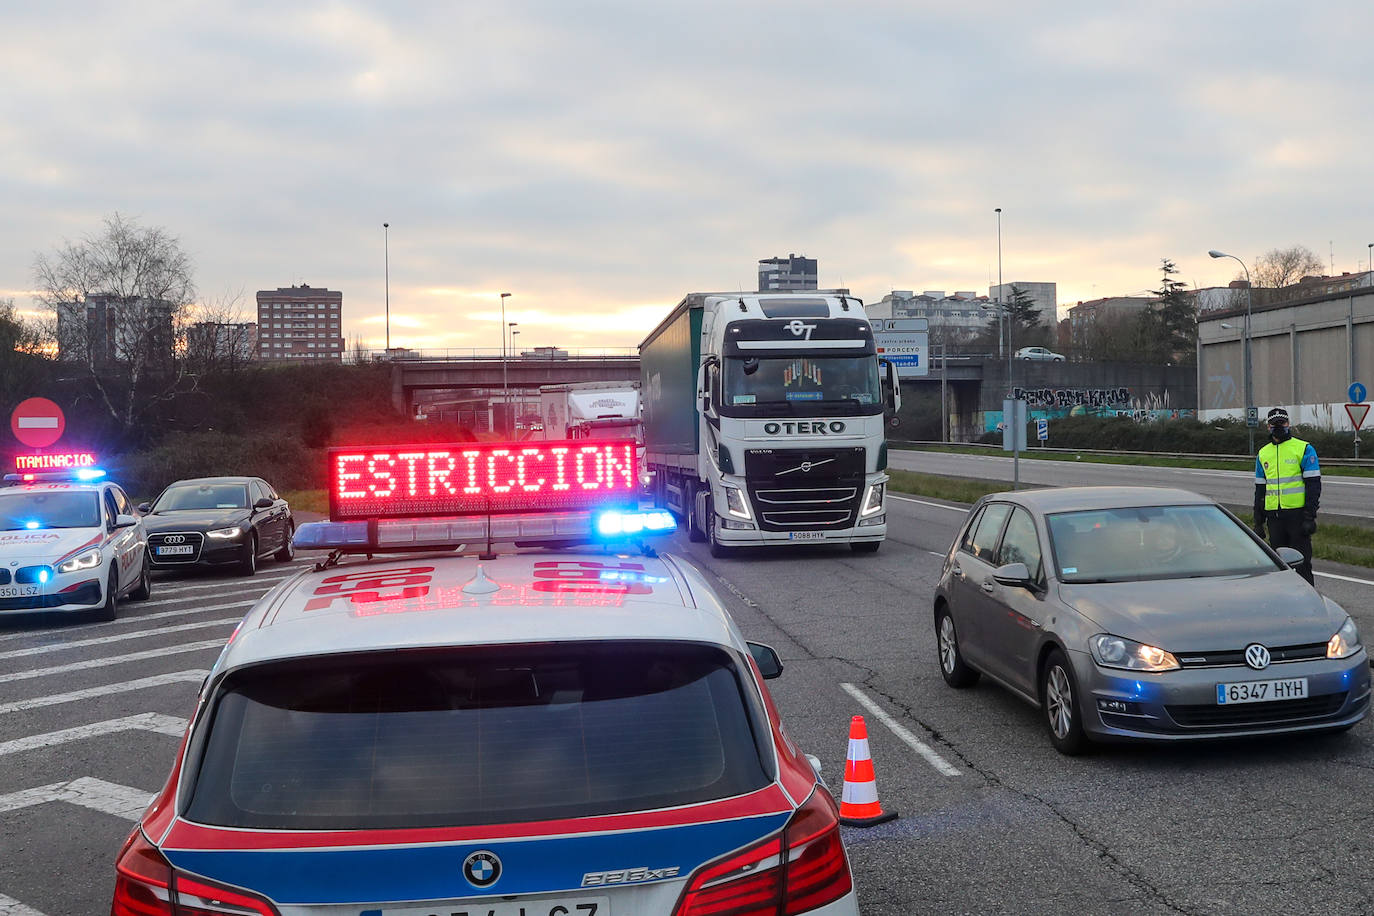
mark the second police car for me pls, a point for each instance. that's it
(69, 542)
(437, 730)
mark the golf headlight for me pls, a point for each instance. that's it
(88, 560)
(1346, 642)
(225, 533)
(735, 503)
(874, 502)
(1115, 652)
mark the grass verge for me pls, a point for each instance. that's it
(1348, 544)
(307, 500)
(1160, 461)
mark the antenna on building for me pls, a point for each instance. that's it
(1331, 249)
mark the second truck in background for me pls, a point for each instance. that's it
(763, 419)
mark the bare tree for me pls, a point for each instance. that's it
(120, 299)
(24, 355)
(218, 339)
(1280, 267)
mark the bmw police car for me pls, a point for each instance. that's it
(438, 727)
(69, 541)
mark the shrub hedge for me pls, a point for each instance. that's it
(1218, 437)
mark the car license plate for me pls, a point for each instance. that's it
(174, 551)
(569, 906)
(1293, 688)
(18, 591)
(806, 535)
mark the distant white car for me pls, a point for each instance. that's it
(1039, 353)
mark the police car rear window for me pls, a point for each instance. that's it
(478, 736)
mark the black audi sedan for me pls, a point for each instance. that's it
(218, 521)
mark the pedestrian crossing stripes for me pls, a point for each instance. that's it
(192, 676)
(147, 721)
(111, 660)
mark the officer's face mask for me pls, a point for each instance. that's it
(1279, 432)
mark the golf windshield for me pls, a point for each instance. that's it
(29, 510)
(1153, 542)
(801, 384)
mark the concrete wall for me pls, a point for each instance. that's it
(1305, 355)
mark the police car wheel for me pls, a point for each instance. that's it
(249, 564)
(718, 550)
(110, 609)
(288, 549)
(144, 588)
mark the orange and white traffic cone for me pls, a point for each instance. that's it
(859, 806)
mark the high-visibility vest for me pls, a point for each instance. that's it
(1281, 467)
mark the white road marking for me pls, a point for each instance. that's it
(190, 676)
(916, 744)
(144, 721)
(11, 907)
(160, 615)
(117, 637)
(88, 792)
(1326, 575)
(908, 499)
(111, 660)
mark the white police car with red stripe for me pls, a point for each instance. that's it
(438, 728)
(69, 542)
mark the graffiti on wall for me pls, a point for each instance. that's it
(1072, 397)
(1094, 402)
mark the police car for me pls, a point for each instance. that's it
(70, 542)
(448, 717)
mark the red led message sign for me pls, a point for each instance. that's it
(55, 462)
(410, 481)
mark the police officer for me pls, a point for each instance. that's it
(1288, 487)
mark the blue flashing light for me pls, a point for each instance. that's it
(90, 474)
(326, 535)
(615, 523)
(33, 526)
(44, 576)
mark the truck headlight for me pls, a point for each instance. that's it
(735, 503)
(873, 502)
(88, 560)
(225, 533)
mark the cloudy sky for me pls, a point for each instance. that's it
(597, 159)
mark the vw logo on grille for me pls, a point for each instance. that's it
(1256, 656)
(174, 539)
(482, 868)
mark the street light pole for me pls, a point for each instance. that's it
(1001, 319)
(510, 424)
(1249, 381)
(386, 261)
(504, 387)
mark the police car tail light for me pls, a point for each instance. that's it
(201, 898)
(143, 880)
(804, 869)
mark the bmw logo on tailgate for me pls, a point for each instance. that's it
(482, 868)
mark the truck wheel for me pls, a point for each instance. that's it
(718, 550)
(865, 546)
(695, 530)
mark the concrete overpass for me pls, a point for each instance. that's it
(411, 375)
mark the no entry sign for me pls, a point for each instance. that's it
(37, 422)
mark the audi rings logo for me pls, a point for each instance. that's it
(482, 868)
(174, 539)
(1256, 656)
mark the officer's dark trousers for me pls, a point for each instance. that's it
(1285, 530)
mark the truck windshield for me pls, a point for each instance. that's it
(803, 383)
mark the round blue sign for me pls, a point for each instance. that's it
(1357, 393)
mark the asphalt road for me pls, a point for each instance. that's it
(1346, 496)
(993, 820)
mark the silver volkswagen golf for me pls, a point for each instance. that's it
(1143, 613)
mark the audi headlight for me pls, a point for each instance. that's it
(735, 503)
(1115, 652)
(874, 502)
(1346, 642)
(88, 560)
(225, 533)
